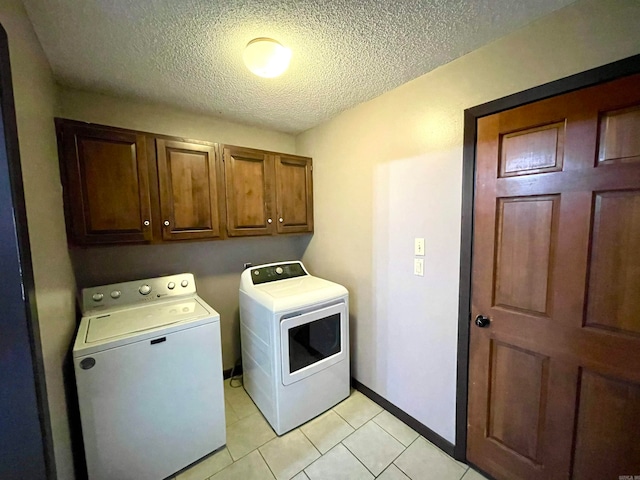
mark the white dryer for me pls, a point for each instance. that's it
(294, 331)
(148, 365)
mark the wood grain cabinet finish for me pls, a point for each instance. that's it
(105, 175)
(124, 186)
(249, 191)
(267, 193)
(190, 190)
(294, 194)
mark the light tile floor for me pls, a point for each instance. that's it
(356, 439)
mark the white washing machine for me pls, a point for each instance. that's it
(294, 331)
(148, 366)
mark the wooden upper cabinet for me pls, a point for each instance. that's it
(267, 193)
(294, 194)
(189, 189)
(106, 184)
(249, 191)
(124, 186)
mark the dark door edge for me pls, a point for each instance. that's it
(15, 173)
(595, 76)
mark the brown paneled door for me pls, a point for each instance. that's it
(554, 386)
(190, 192)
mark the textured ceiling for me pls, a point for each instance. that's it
(188, 53)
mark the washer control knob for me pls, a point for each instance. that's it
(171, 285)
(279, 270)
(116, 294)
(145, 289)
(184, 283)
(97, 297)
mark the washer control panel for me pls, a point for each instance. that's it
(137, 291)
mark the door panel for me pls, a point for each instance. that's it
(108, 195)
(535, 150)
(620, 136)
(614, 282)
(113, 194)
(294, 194)
(518, 397)
(249, 178)
(189, 190)
(606, 445)
(524, 249)
(554, 378)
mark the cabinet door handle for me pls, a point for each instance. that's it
(166, 223)
(280, 220)
(146, 223)
(269, 220)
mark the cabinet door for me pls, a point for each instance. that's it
(190, 199)
(249, 181)
(106, 184)
(294, 194)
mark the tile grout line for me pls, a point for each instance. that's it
(404, 449)
(291, 431)
(267, 463)
(319, 458)
(400, 441)
(310, 441)
(337, 413)
(467, 467)
(356, 457)
(321, 455)
(258, 447)
(398, 466)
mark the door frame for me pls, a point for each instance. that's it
(605, 73)
(9, 124)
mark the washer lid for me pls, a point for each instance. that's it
(147, 317)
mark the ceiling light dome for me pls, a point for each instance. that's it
(266, 57)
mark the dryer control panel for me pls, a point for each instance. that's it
(275, 272)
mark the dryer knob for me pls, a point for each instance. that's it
(184, 283)
(97, 297)
(145, 289)
(171, 285)
(116, 294)
(279, 270)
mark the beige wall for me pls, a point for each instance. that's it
(154, 118)
(217, 265)
(34, 94)
(390, 170)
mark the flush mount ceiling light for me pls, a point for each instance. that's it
(266, 57)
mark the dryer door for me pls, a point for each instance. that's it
(313, 341)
